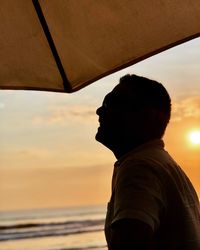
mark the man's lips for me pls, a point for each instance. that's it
(100, 120)
(100, 123)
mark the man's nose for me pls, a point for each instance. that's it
(99, 111)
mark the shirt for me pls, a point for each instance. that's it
(148, 185)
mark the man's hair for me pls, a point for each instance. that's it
(152, 96)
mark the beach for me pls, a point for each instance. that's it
(53, 229)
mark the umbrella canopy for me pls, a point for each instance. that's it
(64, 45)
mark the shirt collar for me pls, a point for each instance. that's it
(158, 143)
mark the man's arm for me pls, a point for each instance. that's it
(131, 234)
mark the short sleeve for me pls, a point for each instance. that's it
(138, 194)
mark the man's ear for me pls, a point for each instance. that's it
(147, 121)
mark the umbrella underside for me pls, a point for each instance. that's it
(64, 45)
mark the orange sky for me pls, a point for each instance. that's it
(48, 155)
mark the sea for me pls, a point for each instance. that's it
(70, 228)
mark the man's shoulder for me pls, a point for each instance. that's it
(152, 153)
(152, 160)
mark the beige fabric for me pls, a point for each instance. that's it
(26, 60)
(93, 38)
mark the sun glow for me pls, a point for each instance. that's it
(194, 137)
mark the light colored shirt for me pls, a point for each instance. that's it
(149, 186)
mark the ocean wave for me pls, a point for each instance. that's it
(35, 230)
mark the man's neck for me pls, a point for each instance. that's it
(123, 149)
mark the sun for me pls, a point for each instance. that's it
(194, 137)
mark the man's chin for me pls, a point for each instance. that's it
(102, 138)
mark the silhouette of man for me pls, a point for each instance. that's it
(153, 203)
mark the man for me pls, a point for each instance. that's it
(153, 203)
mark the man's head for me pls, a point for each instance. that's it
(137, 110)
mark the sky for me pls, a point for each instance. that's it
(48, 154)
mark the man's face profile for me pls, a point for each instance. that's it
(114, 118)
(107, 121)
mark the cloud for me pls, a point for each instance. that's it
(26, 153)
(62, 114)
(24, 157)
(186, 108)
(68, 114)
(30, 153)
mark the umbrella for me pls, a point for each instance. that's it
(64, 45)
